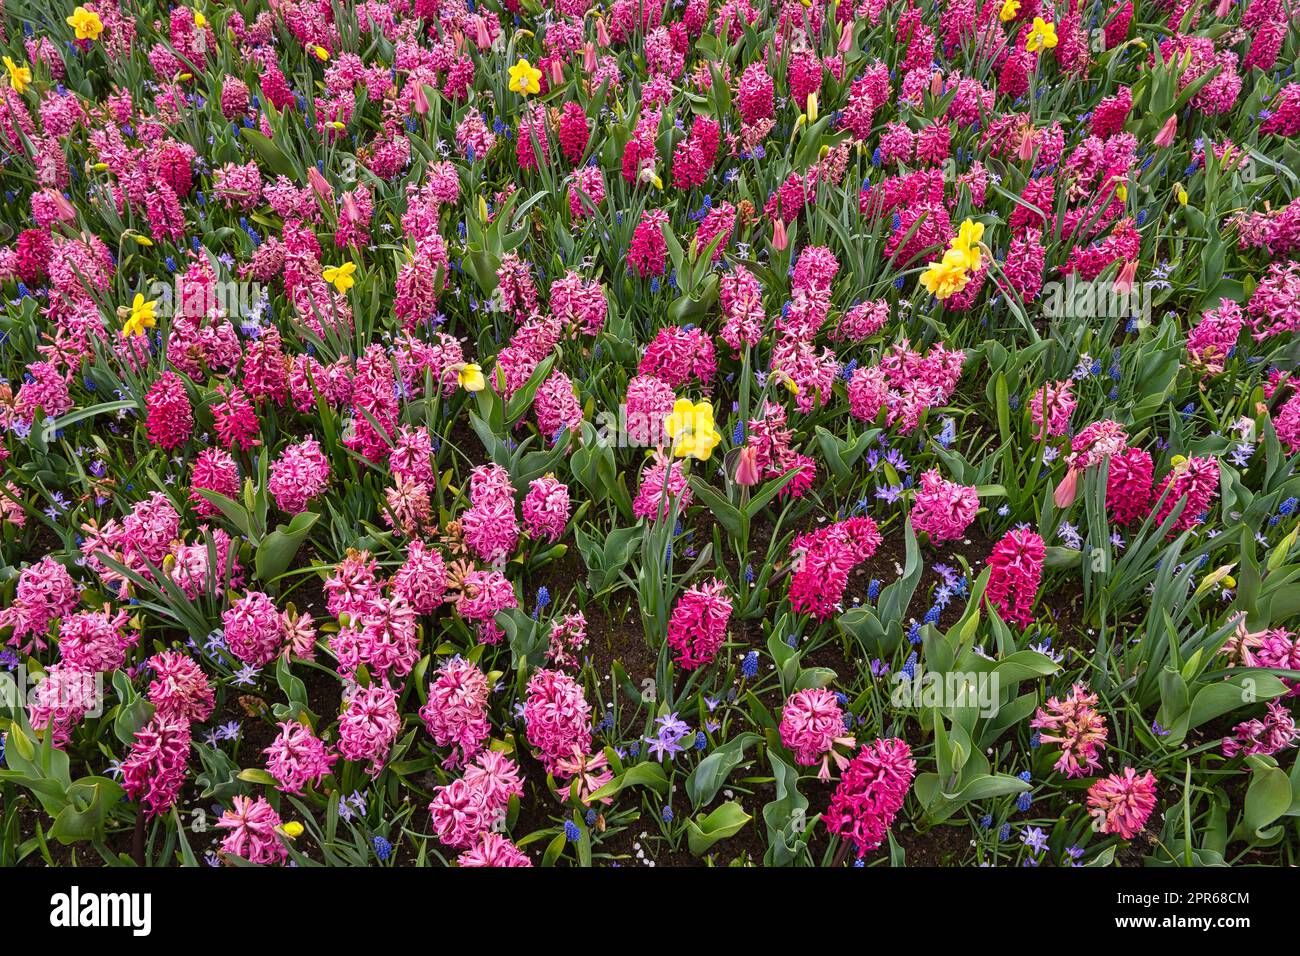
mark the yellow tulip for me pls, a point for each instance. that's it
(85, 25)
(340, 276)
(19, 76)
(321, 53)
(525, 79)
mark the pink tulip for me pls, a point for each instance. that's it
(1067, 490)
(1166, 134)
(779, 239)
(421, 100)
(1124, 281)
(747, 467)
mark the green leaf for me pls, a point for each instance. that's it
(708, 777)
(726, 821)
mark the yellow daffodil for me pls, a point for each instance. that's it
(525, 79)
(141, 317)
(86, 25)
(471, 378)
(19, 76)
(946, 277)
(967, 242)
(1180, 192)
(341, 276)
(321, 53)
(1009, 11)
(293, 829)
(812, 107)
(692, 430)
(1121, 192)
(1042, 36)
(200, 20)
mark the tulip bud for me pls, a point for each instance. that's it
(1067, 490)
(747, 467)
(1166, 134)
(779, 239)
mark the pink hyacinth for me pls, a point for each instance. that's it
(254, 831)
(1128, 485)
(1051, 407)
(422, 579)
(1075, 724)
(455, 714)
(482, 595)
(870, 794)
(662, 482)
(459, 814)
(252, 629)
(649, 401)
(1275, 732)
(212, 470)
(1017, 567)
(698, 625)
(675, 355)
(1215, 336)
(1195, 481)
(557, 716)
(1122, 802)
(812, 723)
(170, 419)
(823, 560)
(44, 593)
(179, 687)
(297, 757)
(556, 405)
(353, 584)
(154, 771)
(62, 698)
(546, 508)
(496, 776)
(943, 508)
(649, 250)
(95, 640)
(300, 474)
(493, 849)
(369, 724)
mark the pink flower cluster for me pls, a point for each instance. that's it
(301, 473)
(823, 560)
(943, 508)
(455, 714)
(489, 524)
(1123, 801)
(1274, 732)
(154, 771)
(557, 716)
(870, 793)
(45, 592)
(297, 757)
(1017, 566)
(252, 629)
(254, 831)
(369, 725)
(546, 508)
(698, 624)
(482, 595)
(464, 810)
(1075, 724)
(812, 723)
